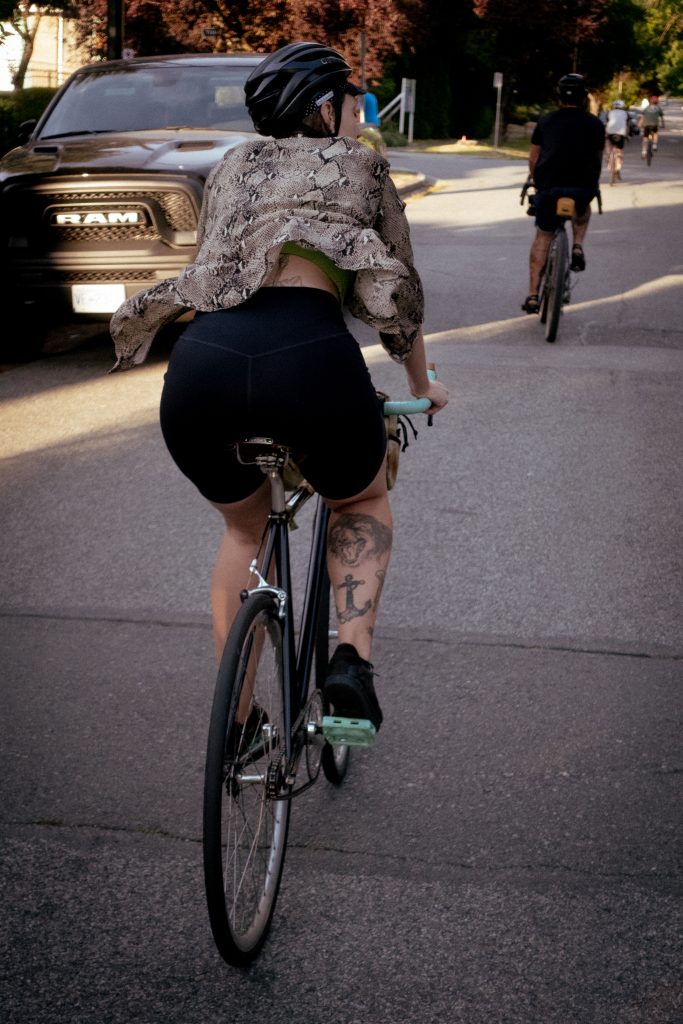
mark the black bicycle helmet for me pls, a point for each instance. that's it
(572, 89)
(283, 89)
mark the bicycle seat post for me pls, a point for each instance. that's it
(271, 459)
(277, 489)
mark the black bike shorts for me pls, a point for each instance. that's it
(546, 203)
(284, 365)
(617, 140)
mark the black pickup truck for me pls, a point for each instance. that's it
(102, 197)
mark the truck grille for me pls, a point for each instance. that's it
(169, 210)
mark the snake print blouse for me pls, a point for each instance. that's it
(333, 195)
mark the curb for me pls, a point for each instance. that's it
(420, 184)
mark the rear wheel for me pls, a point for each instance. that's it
(245, 824)
(648, 152)
(543, 296)
(558, 262)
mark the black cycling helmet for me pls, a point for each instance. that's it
(572, 89)
(284, 88)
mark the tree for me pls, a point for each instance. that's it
(171, 26)
(366, 33)
(23, 18)
(661, 36)
(150, 27)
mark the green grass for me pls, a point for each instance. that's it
(515, 149)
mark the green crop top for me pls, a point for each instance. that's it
(340, 278)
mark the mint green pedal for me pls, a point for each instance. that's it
(354, 732)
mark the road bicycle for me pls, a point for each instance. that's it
(556, 287)
(270, 731)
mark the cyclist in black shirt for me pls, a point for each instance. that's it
(565, 159)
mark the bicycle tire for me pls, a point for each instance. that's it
(612, 165)
(335, 759)
(543, 297)
(558, 261)
(649, 150)
(244, 827)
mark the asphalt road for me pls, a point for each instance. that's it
(509, 852)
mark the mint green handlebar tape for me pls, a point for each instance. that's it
(409, 406)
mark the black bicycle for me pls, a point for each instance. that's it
(270, 732)
(556, 287)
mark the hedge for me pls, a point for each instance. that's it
(17, 107)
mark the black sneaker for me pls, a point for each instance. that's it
(349, 687)
(578, 262)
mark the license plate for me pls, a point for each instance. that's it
(97, 298)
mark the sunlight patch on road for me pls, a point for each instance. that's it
(98, 412)
(88, 411)
(649, 290)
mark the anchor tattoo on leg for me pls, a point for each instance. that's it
(350, 611)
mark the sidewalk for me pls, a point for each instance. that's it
(411, 184)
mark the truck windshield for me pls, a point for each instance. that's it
(134, 98)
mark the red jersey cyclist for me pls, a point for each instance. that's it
(649, 121)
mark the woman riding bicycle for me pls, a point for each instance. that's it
(293, 227)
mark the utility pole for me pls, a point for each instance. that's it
(498, 85)
(114, 29)
(363, 45)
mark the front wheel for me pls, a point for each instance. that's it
(245, 824)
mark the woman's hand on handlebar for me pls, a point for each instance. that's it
(422, 381)
(437, 393)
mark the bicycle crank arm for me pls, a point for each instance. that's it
(354, 732)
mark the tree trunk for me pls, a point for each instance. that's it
(27, 30)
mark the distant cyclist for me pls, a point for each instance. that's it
(649, 122)
(565, 159)
(617, 132)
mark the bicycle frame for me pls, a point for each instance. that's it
(252, 762)
(272, 458)
(274, 550)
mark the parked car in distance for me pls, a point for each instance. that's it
(102, 198)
